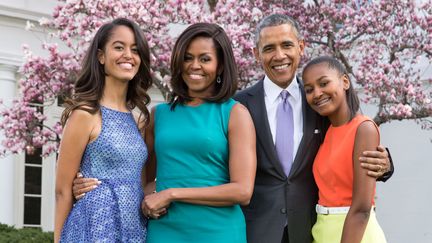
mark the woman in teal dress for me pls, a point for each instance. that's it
(203, 145)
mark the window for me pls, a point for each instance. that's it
(32, 189)
(33, 186)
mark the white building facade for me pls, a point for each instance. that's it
(27, 182)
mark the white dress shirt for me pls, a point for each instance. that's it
(272, 99)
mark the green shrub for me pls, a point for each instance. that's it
(26, 235)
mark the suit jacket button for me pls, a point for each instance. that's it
(283, 210)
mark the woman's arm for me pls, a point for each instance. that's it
(149, 173)
(242, 168)
(367, 138)
(77, 133)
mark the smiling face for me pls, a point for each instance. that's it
(279, 51)
(200, 67)
(325, 90)
(120, 55)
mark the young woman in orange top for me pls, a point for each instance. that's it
(346, 192)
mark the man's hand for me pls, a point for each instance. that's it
(376, 162)
(83, 185)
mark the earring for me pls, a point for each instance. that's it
(218, 80)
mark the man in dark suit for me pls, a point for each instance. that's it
(282, 208)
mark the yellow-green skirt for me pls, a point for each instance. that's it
(328, 228)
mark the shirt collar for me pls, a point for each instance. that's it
(272, 91)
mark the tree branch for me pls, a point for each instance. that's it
(338, 54)
(317, 42)
(212, 4)
(163, 89)
(416, 114)
(404, 47)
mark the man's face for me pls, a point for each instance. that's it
(279, 51)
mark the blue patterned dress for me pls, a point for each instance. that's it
(111, 212)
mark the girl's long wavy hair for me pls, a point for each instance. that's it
(88, 89)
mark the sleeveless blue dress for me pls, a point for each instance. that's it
(112, 211)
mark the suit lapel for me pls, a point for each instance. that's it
(258, 112)
(309, 126)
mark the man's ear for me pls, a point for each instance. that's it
(301, 46)
(257, 54)
(101, 56)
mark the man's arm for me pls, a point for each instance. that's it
(389, 172)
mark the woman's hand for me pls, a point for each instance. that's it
(155, 205)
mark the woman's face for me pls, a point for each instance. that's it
(120, 55)
(200, 66)
(325, 89)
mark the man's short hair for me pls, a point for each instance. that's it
(275, 20)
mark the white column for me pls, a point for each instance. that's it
(53, 114)
(7, 171)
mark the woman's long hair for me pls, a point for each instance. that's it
(88, 89)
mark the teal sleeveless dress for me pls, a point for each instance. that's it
(191, 145)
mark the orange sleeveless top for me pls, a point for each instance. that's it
(333, 165)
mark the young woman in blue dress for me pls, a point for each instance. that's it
(103, 139)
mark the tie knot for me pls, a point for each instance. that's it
(284, 95)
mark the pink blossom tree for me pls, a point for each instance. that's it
(379, 42)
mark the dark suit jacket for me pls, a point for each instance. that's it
(278, 200)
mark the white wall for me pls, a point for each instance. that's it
(26, 8)
(404, 202)
(7, 175)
